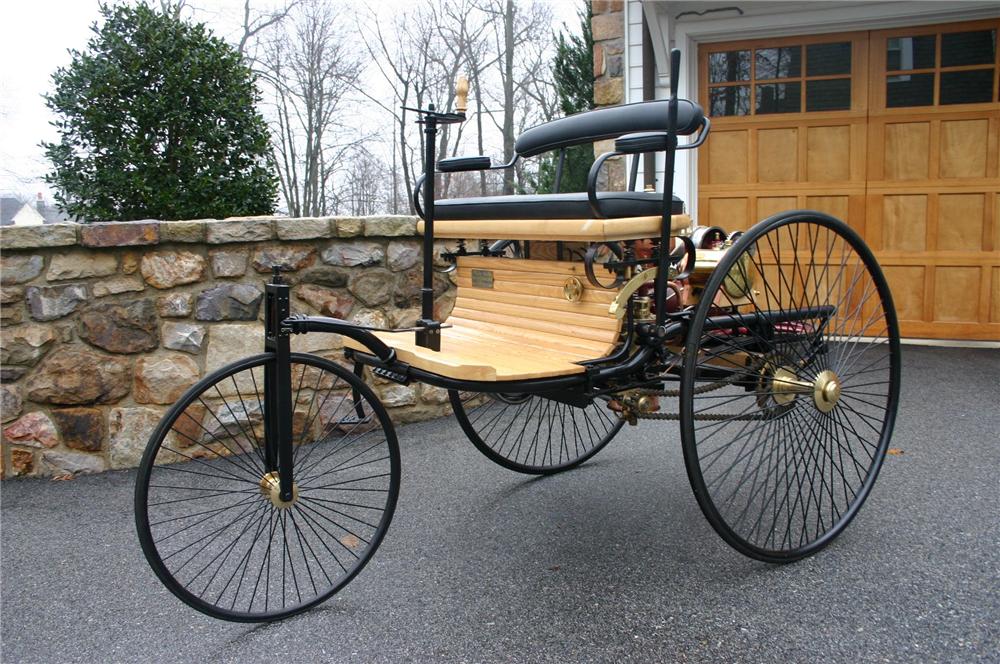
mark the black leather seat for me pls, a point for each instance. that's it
(586, 127)
(613, 205)
(610, 122)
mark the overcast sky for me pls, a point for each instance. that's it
(37, 35)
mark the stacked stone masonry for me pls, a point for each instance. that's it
(103, 326)
(608, 27)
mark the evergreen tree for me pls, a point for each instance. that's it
(157, 119)
(573, 72)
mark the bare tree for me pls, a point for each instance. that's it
(363, 185)
(421, 54)
(518, 29)
(310, 68)
(256, 23)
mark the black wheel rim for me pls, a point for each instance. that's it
(530, 434)
(216, 535)
(783, 453)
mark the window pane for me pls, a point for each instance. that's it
(729, 66)
(968, 48)
(732, 100)
(966, 87)
(779, 62)
(909, 90)
(832, 95)
(779, 98)
(823, 59)
(910, 53)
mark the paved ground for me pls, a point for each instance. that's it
(610, 562)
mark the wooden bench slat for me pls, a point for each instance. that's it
(605, 297)
(582, 307)
(525, 314)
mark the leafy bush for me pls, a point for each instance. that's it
(157, 119)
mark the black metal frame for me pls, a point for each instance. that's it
(642, 358)
(642, 348)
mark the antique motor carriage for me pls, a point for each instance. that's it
(269, 485)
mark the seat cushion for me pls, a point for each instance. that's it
(613, 204)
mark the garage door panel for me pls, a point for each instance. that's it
(964, 147)
(768, 206)
(995, 299)
(727, 157)
(907, 286)
(904, 222)
(961, 221)
(906, 155)
(956, 294)
(828, 153)
(729, 213)
(777, 155)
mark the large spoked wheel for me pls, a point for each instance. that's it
(797, 333)
(209, 513)
(530, 434)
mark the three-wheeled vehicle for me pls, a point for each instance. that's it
(269, 485)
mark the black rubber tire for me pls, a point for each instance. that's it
(801, 443)
(589, 429)
(215, 468)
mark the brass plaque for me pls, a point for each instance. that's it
(482, 278)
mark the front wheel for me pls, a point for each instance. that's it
(797, 325)
(208, 511)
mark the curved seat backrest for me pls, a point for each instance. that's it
(604, 123)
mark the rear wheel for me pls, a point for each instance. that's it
(797, 324)
(208, 510)
(530, 434)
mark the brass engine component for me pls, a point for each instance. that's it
(631, 404)
(617, 308)
(737, 283)
(642, 310)
(270, 487)
(573, 289)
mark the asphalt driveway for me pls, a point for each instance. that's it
(609, 562)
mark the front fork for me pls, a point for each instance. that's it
(278, 386)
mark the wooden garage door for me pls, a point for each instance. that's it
(897, 132)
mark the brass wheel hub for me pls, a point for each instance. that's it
(270, 488)
(825, 389)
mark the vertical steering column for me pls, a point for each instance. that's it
(663, 267)
(278, 386)
(430, 334)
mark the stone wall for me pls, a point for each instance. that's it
(608, 26)
(103, 326)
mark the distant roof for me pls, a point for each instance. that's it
(9, 206)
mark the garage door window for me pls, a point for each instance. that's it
(787, 79)
(940, 69)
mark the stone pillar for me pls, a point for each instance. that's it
(608, 25)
